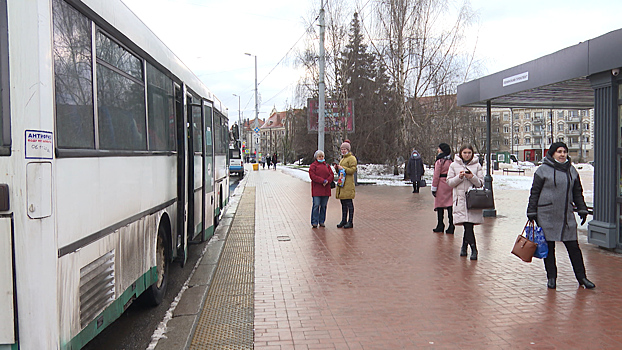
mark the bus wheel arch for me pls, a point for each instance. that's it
(155, 293)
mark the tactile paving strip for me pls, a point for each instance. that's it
(226, 321)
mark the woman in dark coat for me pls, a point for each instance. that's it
(321, 176)
(415, 169)
(556, 187)
(442, 192)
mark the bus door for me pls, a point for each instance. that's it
(182, 175)
(195, 168)
(7, 316)
(208, 173)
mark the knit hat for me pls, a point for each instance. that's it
(555, 146)
(345, 145)
(445, 148)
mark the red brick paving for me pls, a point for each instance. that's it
(391, 283)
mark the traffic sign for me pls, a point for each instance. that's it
(256, 129)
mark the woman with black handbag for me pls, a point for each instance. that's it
(466, 172)
(556, 189)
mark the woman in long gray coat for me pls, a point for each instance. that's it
(466, 172)
(556, 187)
(415, 169)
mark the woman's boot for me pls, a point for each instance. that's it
(344, 216)
(450, 216)
(440, 227)
(473, 252)
(463, 249)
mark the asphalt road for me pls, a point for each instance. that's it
(133, 330)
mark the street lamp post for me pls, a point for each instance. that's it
(240, 128)
(256, 124)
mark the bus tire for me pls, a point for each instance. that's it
(155, 293)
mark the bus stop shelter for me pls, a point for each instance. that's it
(583, 76)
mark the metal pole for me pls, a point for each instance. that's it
(255, 137)
(322, 87)
(488, 177)
(240, 126)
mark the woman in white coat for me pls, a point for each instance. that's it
(466, 172)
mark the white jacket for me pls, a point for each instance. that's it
(460, 212)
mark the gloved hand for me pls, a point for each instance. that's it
(434, 193)
(583, 216)
(533, 217)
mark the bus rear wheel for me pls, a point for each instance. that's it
(155, 293)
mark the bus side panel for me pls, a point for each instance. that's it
(99, 192)
(7, 327)
(103, 278)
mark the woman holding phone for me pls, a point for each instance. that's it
(466, 172)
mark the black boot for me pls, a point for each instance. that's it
(450, 216)
(344, 215)
(348, 225)
(416, 186)
(463, 249)
(586, 283)
(551, 283)
(473, 252)
(440, 227)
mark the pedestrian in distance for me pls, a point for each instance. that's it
(466, 172)
(415, 169)
(556, 188)
(274, 160)
(321, 176)
(441, 191)
(269, 161)
(345, 192)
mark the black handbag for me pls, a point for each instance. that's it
(479, 198)
(332, 184)
(422, 183)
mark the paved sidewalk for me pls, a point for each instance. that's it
(391, 283)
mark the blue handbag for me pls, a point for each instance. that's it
(535, 234)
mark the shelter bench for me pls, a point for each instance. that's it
(507, 171)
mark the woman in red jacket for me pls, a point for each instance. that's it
(321, 176)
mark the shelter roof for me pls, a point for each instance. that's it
(559, 80)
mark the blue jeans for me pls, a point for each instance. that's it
(318, 212)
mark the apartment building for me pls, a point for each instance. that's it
(528, 133)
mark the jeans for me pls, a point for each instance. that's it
(318, 212)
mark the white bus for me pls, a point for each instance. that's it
(113, 156)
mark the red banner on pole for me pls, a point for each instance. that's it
(338, 114)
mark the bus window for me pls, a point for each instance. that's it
(161, 110)
(73, 78)
(120, 98)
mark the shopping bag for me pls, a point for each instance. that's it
(535, 233)
(422, 183)
(523, 247)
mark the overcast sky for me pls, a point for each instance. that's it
(212, 36)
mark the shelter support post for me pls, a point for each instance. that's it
(488, 177)
(602, 230)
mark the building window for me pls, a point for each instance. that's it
(560, 115)
(516, 128)
(506, 142)
(573, 127)
(483, 118)
(506, 116)
(527, 116)
(537, 116)
(573, 114)
(560, 127)
(560, 139)
(506, 129)
(527, 128)
(586, 126)
(527, 140)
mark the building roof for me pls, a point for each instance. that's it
(276, 120)
(250, 124)
(559, 80)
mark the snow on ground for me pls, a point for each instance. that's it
(382, 175)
